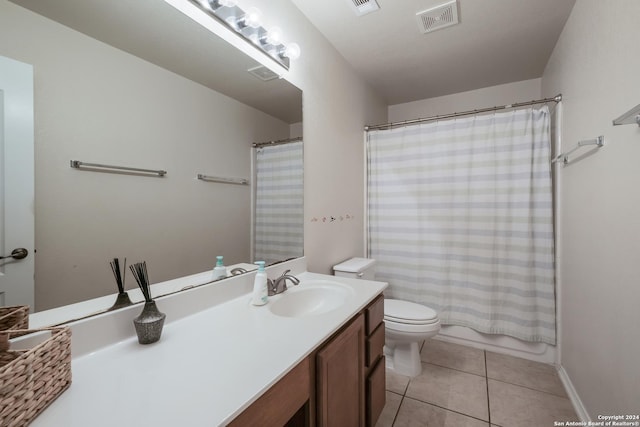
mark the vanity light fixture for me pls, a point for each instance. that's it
(272, 36)
(230, 21)
(217, 4)
(251, 19)
(292, 51)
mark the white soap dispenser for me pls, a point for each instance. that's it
(260, 286)
(219, 271)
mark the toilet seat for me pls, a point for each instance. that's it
(409, 313)
(409, 317)
(407, 328)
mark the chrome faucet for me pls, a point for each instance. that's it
(238, 270)
(279, 285)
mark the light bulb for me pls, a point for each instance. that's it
(252, 17)
(292, 51)
(274, 36)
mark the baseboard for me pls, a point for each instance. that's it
(573, 395)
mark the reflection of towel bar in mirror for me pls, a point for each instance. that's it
(598, 142)
(77, 164)
(239, 181)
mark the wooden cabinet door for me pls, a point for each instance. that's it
(376, 392)
(340, 380)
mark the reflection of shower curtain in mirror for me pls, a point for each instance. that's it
(279, 202)
(461, 219)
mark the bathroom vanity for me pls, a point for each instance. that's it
(342, 383)
(311, 354)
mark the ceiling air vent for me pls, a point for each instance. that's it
(438, 17)
(362, 7)
(263, 73)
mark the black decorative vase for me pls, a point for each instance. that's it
(149, 324)
(122, 300)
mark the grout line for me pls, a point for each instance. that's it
(397, 411)
(529, 388)
(486, 379)
(404, 393)
(457, 370)
(446, 409)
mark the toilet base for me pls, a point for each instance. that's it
(404, 358)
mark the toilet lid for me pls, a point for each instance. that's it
(408, 312)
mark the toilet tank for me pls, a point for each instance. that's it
(356, 268)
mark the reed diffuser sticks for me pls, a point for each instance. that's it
(122, 300)
(115, 267)
(149, 324)
(139, 271)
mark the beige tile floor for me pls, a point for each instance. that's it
(466, 387)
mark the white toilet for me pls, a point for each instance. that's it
(407, 324)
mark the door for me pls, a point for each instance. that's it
(16, 183)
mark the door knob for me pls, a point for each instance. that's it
(18, 253)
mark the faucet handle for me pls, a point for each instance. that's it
(285, 273)
(272, 287)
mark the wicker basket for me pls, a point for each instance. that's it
(16, 317)
(31, 379)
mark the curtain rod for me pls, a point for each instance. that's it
(277, 142)
(556, 98)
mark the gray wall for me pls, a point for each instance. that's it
(474, 99)
(98, 104)
(596, 65)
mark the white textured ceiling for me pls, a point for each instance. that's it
(496, 42)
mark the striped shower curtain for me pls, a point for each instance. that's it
(461, 220)
(279, 222)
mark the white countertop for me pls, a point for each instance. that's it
(206, 369)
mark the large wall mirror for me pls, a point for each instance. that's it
(138, 84)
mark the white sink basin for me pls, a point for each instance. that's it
(310, 298)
